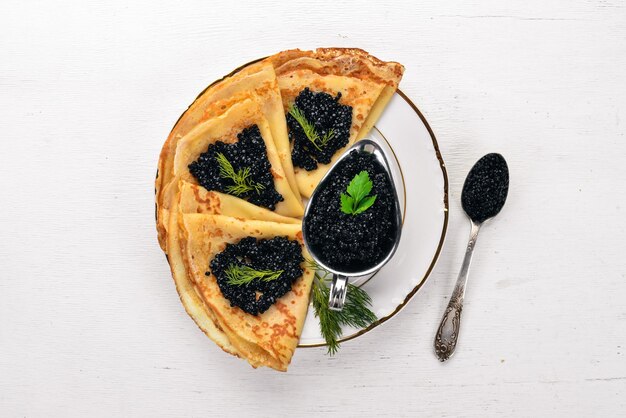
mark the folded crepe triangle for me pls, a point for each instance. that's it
(196, 199)
(365, 83)
(205, 222)
(244, 113)
(268, 339)
(257, 81)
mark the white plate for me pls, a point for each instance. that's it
(422, 183)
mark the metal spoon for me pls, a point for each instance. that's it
(339, 285)
(484, 194)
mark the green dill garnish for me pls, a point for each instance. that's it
(357, 199)
(240, 274)
(356, 310)
(309, 129)
(241, 178)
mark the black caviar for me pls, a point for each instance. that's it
(249, 153)
(347, 242)
(274, 254)
(486, 188)
(329, 118)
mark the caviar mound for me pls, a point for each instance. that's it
(247, 154)
(276, 254)
(347, 242)
(330, 119)
(486, 188)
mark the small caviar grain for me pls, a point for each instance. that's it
(274, 254)
(347, 242)
(486, 188)
(248, 152)
(325, 113)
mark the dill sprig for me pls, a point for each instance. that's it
(309, 129)
(241, 179)
(327, 137)
(356, 310)
(241, 274)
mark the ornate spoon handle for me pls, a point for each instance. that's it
(448, 332)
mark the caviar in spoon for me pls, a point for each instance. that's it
(484, 194)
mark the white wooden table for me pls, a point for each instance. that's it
(90, 323)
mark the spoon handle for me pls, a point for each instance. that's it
(448, 331)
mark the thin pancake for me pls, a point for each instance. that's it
(270, 338)
(242, 114)
(195, 199)
(366, 83)
(353, 62)
(202, 315)
(258, 79)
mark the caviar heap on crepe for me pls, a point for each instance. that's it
(351, 223)
(253, 274)
(230, 183)
(319, 125)
(240, 169)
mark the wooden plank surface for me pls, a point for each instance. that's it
(90, 323)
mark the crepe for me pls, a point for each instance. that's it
(193, 199)
(257, 80)
(268, 339)
(366, 83)
(246, 111)
(196, 199)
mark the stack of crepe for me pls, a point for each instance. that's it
(195, 224)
